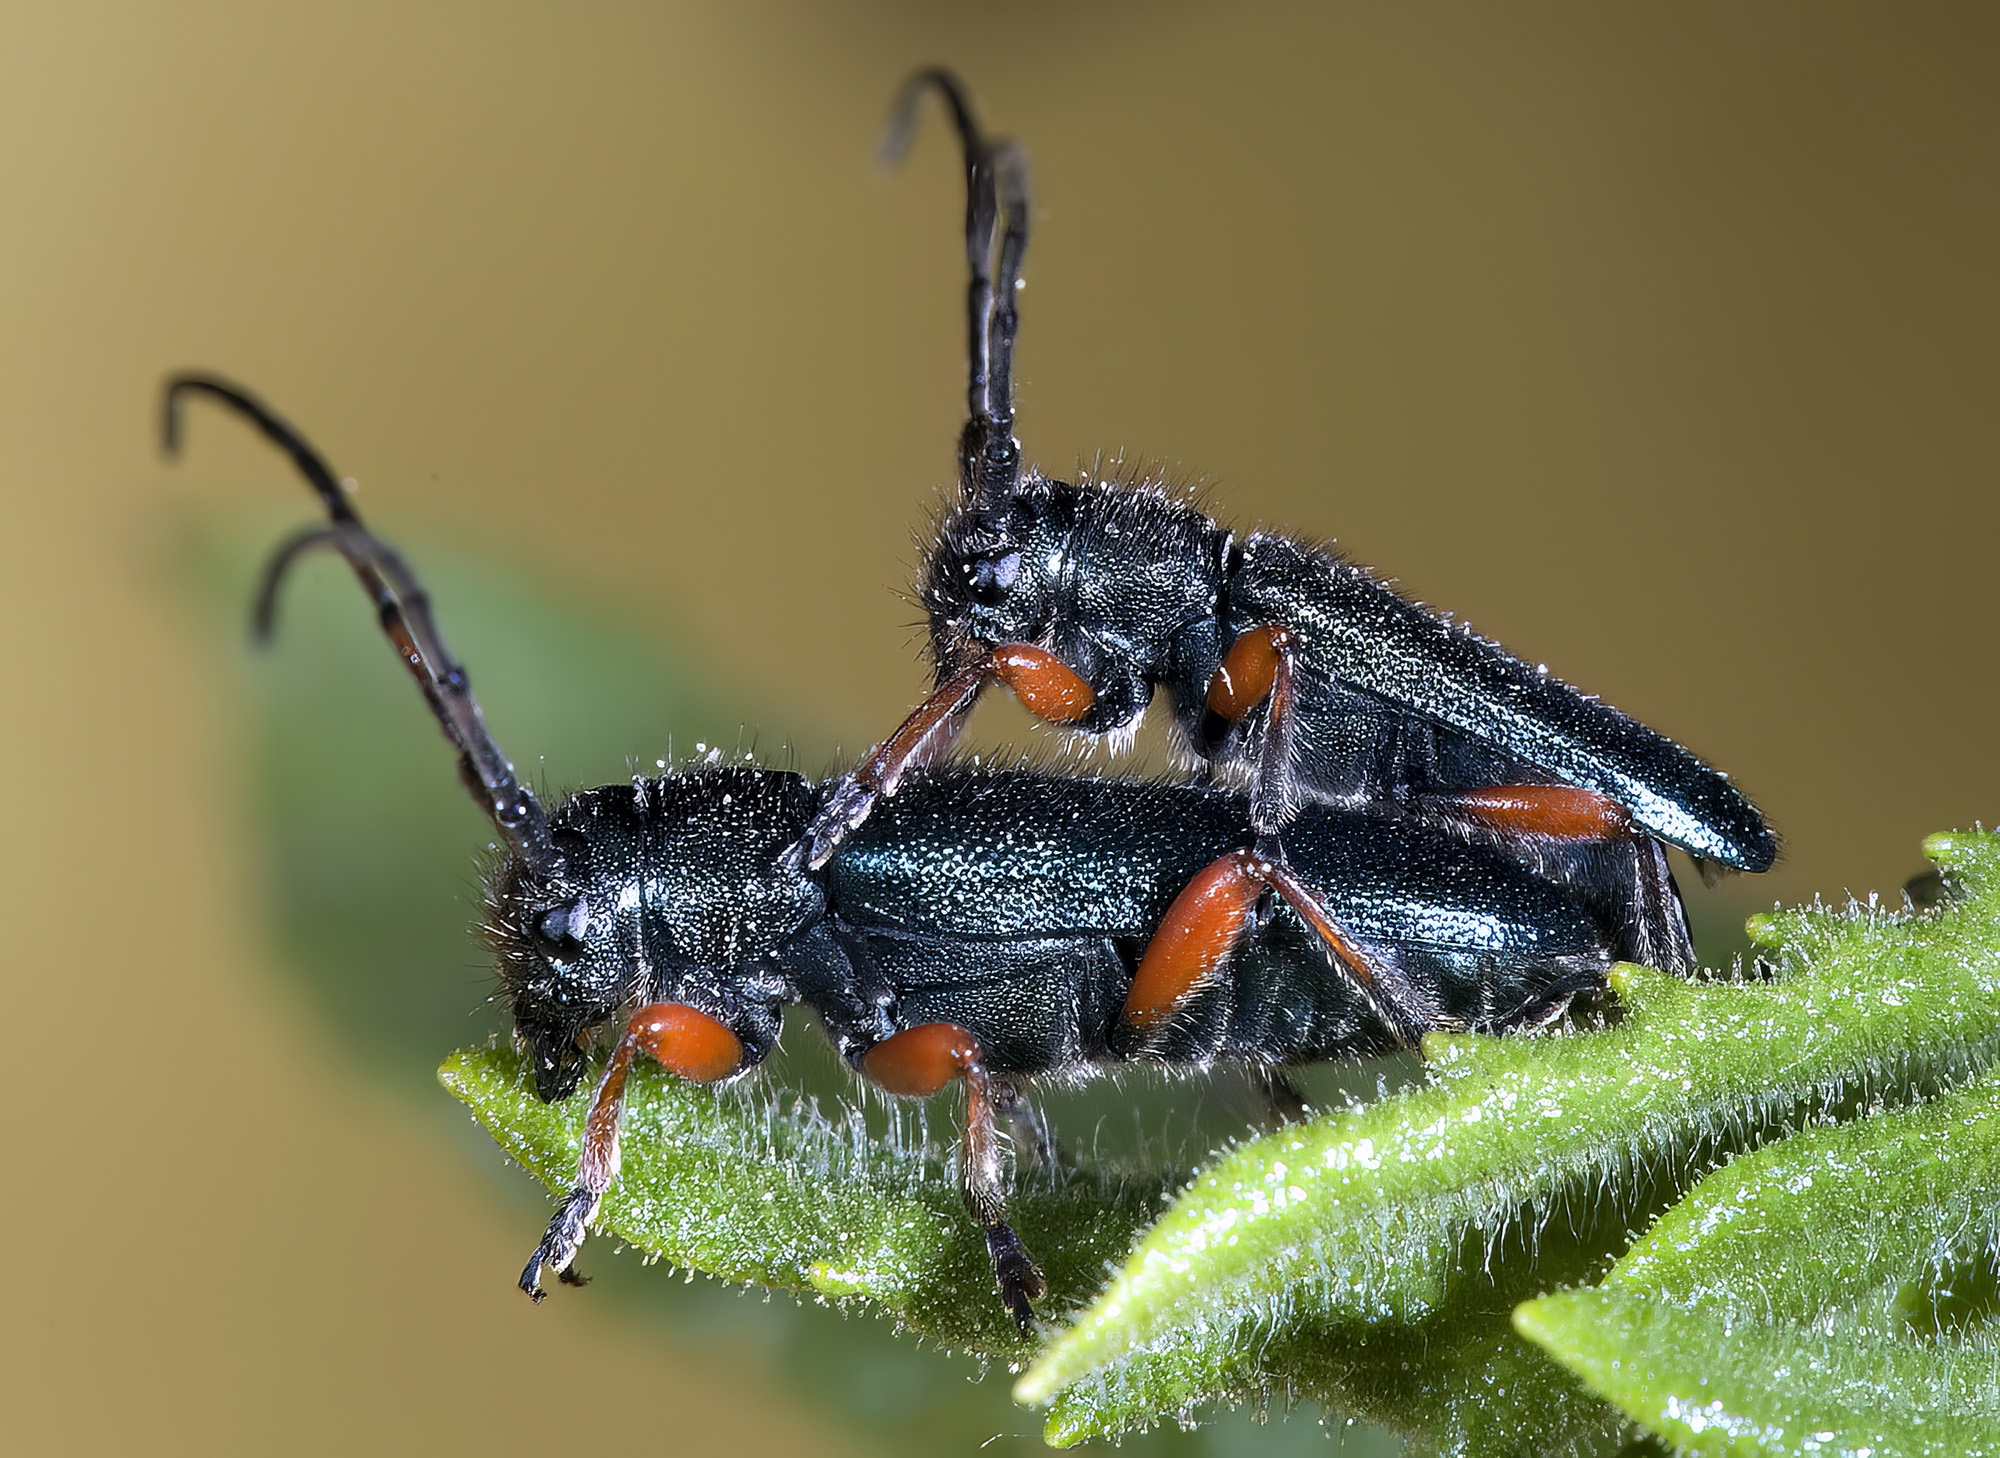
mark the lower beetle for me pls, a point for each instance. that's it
(982, 927)
(993, 927)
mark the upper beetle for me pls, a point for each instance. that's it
(1291, 671)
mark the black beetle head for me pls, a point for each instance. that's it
(1105, 575)
(668, 892)
(559, 971)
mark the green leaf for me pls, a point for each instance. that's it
(1364, 1218)
(1850, 1220)
(1709, 1385)
(1812, 1296)
(1460, 1380)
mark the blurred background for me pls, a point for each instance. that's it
(1658, 344)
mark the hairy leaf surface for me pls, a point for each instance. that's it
(1364, 1217)
(1708, 1385)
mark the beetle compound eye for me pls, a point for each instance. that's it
(990, 579)
(554, 927)
(560, 929)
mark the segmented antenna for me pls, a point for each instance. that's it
(402, 606)
(996, 204)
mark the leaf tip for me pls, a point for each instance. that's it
(1062, 1363)
(1546, 1320)
(1062, 1431)
(1037, 1387)
(453, 1075)
(1970, 854)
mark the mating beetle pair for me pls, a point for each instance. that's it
(1457, 840)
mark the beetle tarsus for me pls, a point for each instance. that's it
(1015, 1274)
(559, 1246)
(850, 803)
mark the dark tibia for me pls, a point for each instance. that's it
(1585, 842)
(917, 1062)
(1274, 801)
(1025, 1122)
(1654, 920)
(923, 738)
(1259, 669)
(1211, 918)
(1042, 682)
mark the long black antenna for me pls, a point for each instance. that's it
(996, 203)
(401, 604)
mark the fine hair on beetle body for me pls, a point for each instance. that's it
(984, 928)
(1289, 670)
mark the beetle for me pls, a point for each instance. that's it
(984, 928)
(1290, 671)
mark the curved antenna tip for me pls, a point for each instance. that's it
(271, 425)
(901, 128)
(184, 382)
(170, 414)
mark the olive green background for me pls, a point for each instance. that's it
(1660, 344)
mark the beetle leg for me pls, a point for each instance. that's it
(681, 1039)
(1049, 689)
(1283, 1100)
(1586, 841)
(983, 1176)
(1025, 1122)
(1258, 669)
(916, 1063)
(1213, 915)
(597, 1166)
